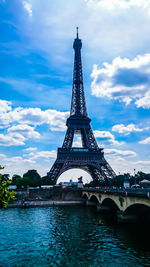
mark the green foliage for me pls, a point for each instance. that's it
(47, 181)
(5, 194)
(118, 180)
(5, 176)
(94, 184)
(15, 178)
(35, 178)
(1, 168)
(74, 185)
(147, 176)
(30, 178)
(139, 177)
(25, 181)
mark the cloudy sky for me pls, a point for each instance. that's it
(36, 65)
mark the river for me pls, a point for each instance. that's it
(69, 236)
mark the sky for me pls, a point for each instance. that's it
(36, 67)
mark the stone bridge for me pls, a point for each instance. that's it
(131, 204)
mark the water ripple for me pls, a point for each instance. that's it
(68, 236)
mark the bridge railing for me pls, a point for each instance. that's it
(142, 192)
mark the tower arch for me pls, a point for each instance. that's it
(73, 174)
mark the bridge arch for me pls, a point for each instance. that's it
(85, 196)
(141, 211)
(94, 199)
(110, 203)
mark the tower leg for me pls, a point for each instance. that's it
(55, 170)
(95, 174)
(67, 144)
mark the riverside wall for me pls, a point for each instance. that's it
(44, 203)
(47, 197)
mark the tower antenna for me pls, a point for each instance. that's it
(77, 32)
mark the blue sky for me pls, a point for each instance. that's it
(36, 63)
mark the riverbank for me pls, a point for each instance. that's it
(44, 203)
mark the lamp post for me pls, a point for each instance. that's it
(134, 176)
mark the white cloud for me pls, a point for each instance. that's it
(124, 80)
(52, 18)
(42, 154)
(34, 116)
(19, 124)
(14, 160)
(29, 161)
(124, 164)
(115, 4)
(28, 7)
(144, 102)
(121, 128)
(116, 152)
(41, 161)
(2, 156)
(12, 139)
(26, 130)
(30, 149)
(16, 164)
(145, 141)
(107, 136)
(143, 162)
(5, 106)
(77, 142)
(17, 135)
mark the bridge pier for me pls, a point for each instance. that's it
(90, 203)
(101, 208)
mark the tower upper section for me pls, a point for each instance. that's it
(78, 105)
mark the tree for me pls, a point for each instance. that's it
(147, 176)
(5, 176)
(141, 175)
(25, 181)
(34, 177)
(5, 194)
(94, 183)
(118, 180)
(46, 180)
(15, 178)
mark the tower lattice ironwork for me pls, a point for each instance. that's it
(89, 157)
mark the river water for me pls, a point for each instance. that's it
(69, 236)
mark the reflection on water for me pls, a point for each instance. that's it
(69, 236)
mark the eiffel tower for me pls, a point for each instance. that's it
(89, 157)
